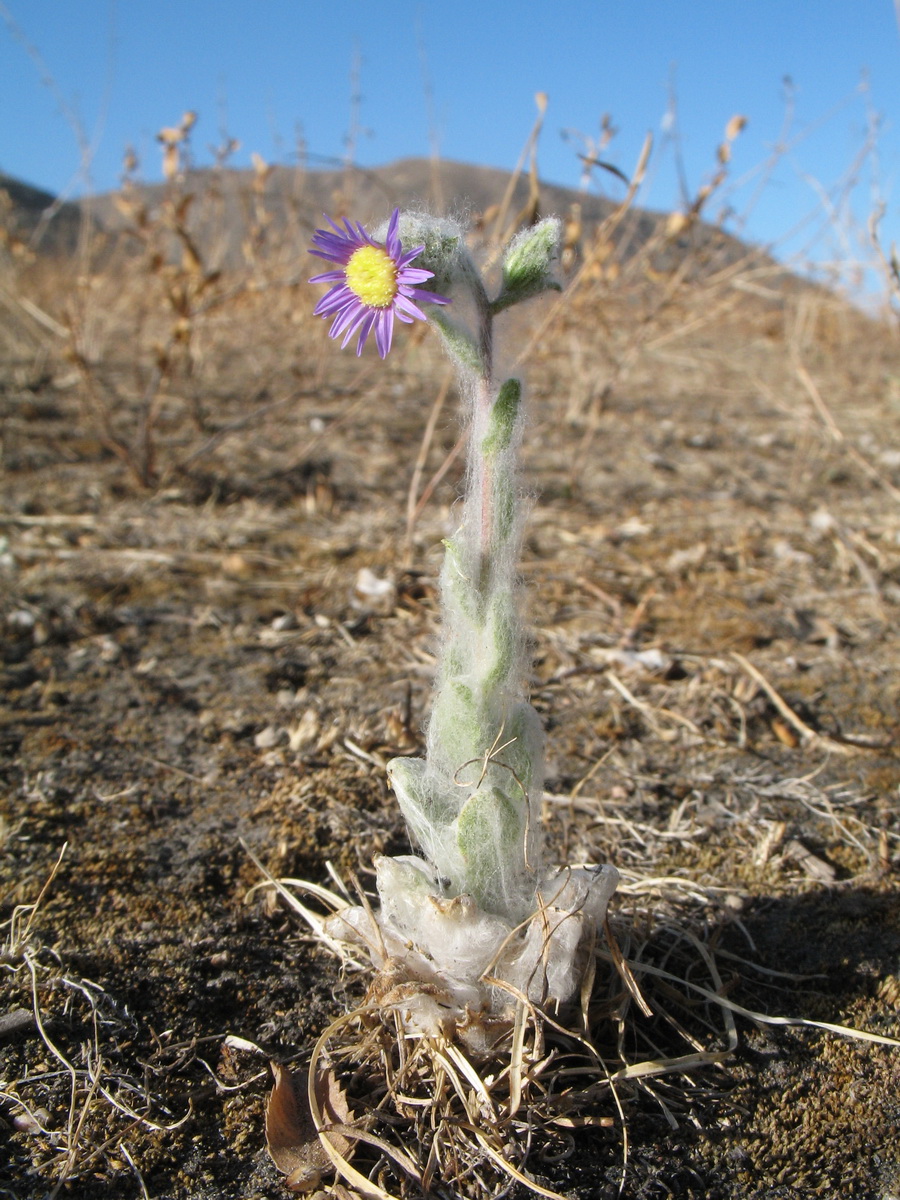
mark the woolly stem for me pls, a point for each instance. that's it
(481, 474)
(480, 470)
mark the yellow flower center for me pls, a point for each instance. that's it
(371, 274)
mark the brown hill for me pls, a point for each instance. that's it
(229, 206)
(38, 219)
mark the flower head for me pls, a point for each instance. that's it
(374, 283)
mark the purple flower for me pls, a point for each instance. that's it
(375, 283)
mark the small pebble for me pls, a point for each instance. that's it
(27, 1122)
(267, 738)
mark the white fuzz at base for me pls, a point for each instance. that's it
(446, 950)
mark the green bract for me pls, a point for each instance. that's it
(445, 253)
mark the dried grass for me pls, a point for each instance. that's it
(106, 1106)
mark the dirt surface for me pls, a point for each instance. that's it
(713, 577)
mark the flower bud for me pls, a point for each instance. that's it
(528, 263)
(444, 252)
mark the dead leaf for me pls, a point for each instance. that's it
(291, 1136)
(784, 733)
(817, 868)
(236, 566)
(170, 136)
(769, 842)
(305, 731)
(690, 556)
(583, 1122)
(676, 224)
(334, 1108)
(170, 161)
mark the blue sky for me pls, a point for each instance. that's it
(461, 75)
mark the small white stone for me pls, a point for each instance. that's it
(373, 593)
(21, 618)
(267, 738)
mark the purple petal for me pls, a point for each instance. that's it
(402, 304)
(341, 314)
(409, 256)
(384, 331)
(337, 298)
(350, 322)
(392, 244)
(338, 256)
(336, 244)
(347, 232)
(426, 297)
(350, 315)
(330, 237)
(413, 275)
(328, 303)
(364, 330)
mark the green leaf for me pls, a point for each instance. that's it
(423, 802)
(503, 630)
(524, 755)
(490, 834)
(506, 508)
(455, 731)
(502, 422)
(458, 585)
(458, 342)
